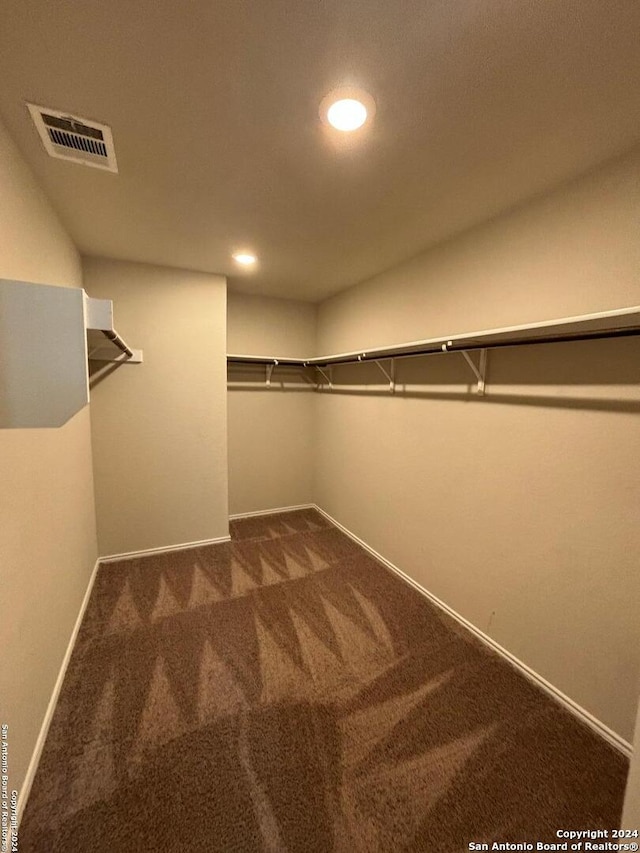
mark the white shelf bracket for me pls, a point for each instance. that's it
(480, 371)
(269, 371)
(328, 377)
(390, 375)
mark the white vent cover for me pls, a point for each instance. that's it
(72, 138)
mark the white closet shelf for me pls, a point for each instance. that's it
(45, 335)
(624, 322)
(103, 342)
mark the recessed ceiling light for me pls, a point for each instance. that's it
(347, 114)
(347, 109)
(244, 258)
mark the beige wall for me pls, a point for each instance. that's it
(47, 533)
(519, 511)
(572, 252)
(268, 326)
(631, 811)
(159, 428)
(271, 431)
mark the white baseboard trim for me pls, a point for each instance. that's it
(593, 722)
(600, 728)
(53, 701)
(184, 546)
(270, 511)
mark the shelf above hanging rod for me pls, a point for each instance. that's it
(624, 322)
(268, 359)
(48, 335)
(103, 342)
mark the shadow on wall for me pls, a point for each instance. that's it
(601, 375)
(99, 370)
(256, 377)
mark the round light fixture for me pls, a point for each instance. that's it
(244, 258)
(347, 114)
(347, 109)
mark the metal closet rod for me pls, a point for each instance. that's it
(115, 338)
(459, 345)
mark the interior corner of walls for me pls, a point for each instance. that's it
(270, 442)
(315, 342)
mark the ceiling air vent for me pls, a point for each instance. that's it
(77, 139)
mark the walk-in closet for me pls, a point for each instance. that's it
(319, 426)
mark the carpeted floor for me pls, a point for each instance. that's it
(285, 692)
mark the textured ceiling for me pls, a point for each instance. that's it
(214, 110)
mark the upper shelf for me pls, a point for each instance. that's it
(103, 342)
(44, 332)
(607, 324)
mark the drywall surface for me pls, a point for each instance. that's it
(271, 430)
(572, 252)
(631, 811)
(160, 428)
(269, 326)
(47, 533)
(519, 510)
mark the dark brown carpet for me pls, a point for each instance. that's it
(284, 692)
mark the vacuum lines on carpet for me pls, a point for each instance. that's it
(285, 692)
